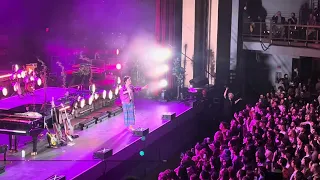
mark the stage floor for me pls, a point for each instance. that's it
(72, 160)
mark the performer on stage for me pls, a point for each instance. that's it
(127, 100)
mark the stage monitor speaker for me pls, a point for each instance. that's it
(141, 132)
(103, 154)
(199, 81)
(168, 116)
(56, 177)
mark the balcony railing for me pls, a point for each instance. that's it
(282, 34)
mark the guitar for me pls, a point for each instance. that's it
(56, 126)
(52, 139)
(67, 124)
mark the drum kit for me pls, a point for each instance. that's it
(24, 80)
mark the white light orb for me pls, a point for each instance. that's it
(82, 103)
(104, 94)
(163, 83)
(110, 95)
(4, 91)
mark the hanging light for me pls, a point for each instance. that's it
(110, 94)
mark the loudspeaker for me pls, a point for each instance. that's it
(199, 81)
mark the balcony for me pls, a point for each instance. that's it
(285, 39)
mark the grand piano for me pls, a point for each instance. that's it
(16, 124)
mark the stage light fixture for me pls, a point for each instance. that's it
(4, 91)
(82, 103)
(16, 68)
(167, 53)
(39, 81)
(91, 98)
(116, 91)
(118, 51)
(118, 66)
(163, 83)
(93, 88)
(104, 94)
(96, 96)
(110, 95)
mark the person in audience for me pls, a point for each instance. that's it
(278, 28)
(292, 29)
(229, 104)
(278, 19)
(277, 138)
(293, 20)
(312, 21)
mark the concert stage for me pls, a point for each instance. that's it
(77, 162)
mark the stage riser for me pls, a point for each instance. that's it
(96, 105)
(159, 145)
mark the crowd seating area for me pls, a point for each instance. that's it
(277, 138)
(302, 27)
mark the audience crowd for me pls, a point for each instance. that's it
(277, 138)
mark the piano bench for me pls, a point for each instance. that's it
(3, 150)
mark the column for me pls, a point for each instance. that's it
(200, 38)
(224, 14)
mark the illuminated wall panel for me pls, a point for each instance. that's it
(213, 36)
(188, 28)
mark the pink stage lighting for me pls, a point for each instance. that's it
(118, 66)
(163, 83)
(161, 54)
(162, 69)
